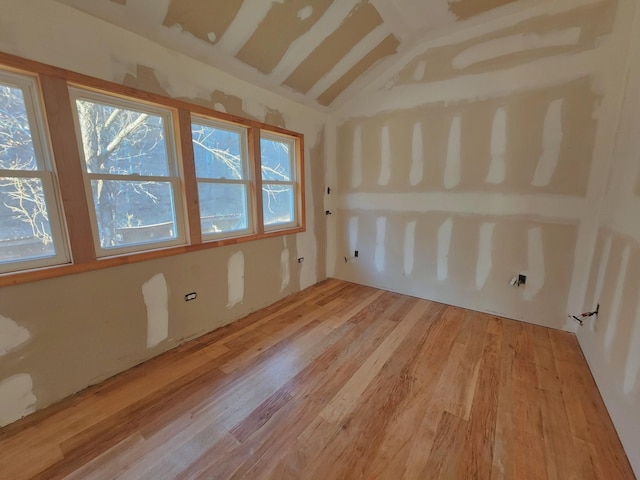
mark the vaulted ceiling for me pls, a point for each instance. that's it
(309, 50)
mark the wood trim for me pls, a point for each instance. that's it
(301, 180)
(62, 134)
(189, 178)
(253, 138)
(58, 111)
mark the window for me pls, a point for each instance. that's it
(31, 233)
(279, 185)
(146, 177)
(222, 173)
(131, 173)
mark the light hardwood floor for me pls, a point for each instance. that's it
(340, 381)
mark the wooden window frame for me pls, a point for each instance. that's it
(45, 172)
(247, 180)
(54, 86)
(294, 182)
(173, 176)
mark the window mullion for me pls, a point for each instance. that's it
(62, 132)
(256, 184)
(185, 150)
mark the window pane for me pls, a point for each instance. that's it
(119, 141)
(217, 152)
(276, 160)
(278, 204)
(25, 232)
(133, 212)
(16, 146)
(223, 207)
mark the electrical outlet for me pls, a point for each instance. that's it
(190, 296)
(356, 254)
(522, 279)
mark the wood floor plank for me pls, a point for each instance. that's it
(339, 381)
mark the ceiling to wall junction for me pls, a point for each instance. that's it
(309, 50)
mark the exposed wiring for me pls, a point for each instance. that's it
(580, 318)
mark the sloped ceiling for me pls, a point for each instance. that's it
(308, 50)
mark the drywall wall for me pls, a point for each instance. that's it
(611, 341)
(485, 154)
(58, 336)
(481, 156)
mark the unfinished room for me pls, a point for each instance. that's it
(320, 239)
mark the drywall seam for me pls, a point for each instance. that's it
(561, 207)
(499, 47)
(418, 73)
(302, 47)
(558, 70)
(614, 80)
(497, 167)
(360, 50)
(187, 77)
(285, 271)
(444, 244)
(485, 260)
(381, 232)
(385, 157)
(619, 219)
(552, 136)
(452, 167)
(16, 398)
(356, 162)
(462, 31)
(409, 247)
(235, 279)
(156, 297)
(535, 268)
(331, 181)
(353, 234)
(632, 365)
(616, 304)
(246, 22)
(417, 155)
(602, 270)
(12, 335)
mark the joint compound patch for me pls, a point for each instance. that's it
(381, 229)
(444, 243)
(452, 167)
(235, 279)
(16, 398)
(12, 335)
(156, 298)
(485, 260)
(536, 268)
(285, 271)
